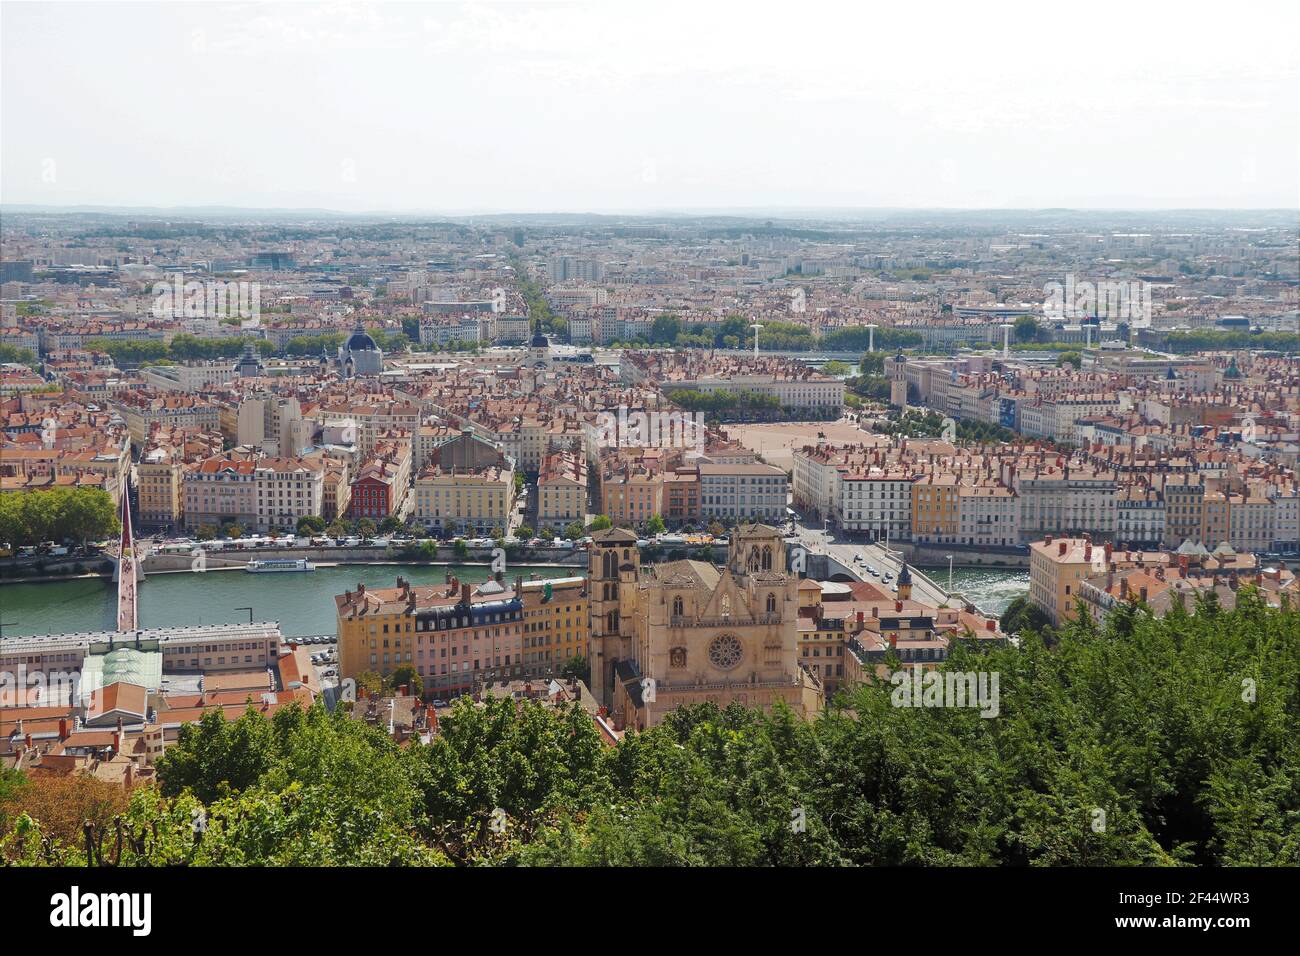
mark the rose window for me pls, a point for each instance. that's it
(725, 652)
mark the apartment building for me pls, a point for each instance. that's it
(631, 493)
(456, 636)
(935, 505)
(475, 501)
(1057, 569)
(876, 501)
(1184, 496)
(220, 490)
(557, 623)
(988, 515)
(731, 493)
(159, 487)
(288, 489)
(562, 490)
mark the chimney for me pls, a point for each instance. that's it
(1060, 548)
(990, 625)
(465, 590)
(1048, 540)
(63, 728)
(128, 779)
(898, 606)
(1143, 593)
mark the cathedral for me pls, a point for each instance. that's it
(687, 632)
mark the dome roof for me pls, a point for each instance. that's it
(360, 341)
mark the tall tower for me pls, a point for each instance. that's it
(613, 566)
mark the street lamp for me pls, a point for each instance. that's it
(950, 574)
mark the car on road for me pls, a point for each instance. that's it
(874, 572)
(859, 558)
(886, 577)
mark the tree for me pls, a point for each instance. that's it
(576, 668)
(546, 533)
(460, 549)
(524, 532)
(338, 528)
(1071, 358)
(600, 523)
(1026, 328)
(408, 677)
(574, 530)
(205, 532)
(873, 363)
(309, 525)
(665, 330)
(232, 531)
(655, 525)
(372, 683)
(390, 525)
(59, 515)
(1182, 729)
(1022, 614)
(366, 528)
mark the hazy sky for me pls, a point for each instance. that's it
(651, 105)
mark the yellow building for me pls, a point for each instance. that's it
(1057, 569)
(456, 635)
(630, 494)
(936, 510)
(562, 490)
(158, 481)
(557, 623)
(475, 501)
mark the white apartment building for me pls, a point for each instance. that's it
(731, 493)
(988, 516)
(1069, 500)
(287, 489)
(876, 502)
(1139, 518)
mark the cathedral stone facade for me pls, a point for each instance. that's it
(686, 632)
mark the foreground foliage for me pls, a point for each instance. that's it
(1144, 741)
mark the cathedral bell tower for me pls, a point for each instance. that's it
(613, 566)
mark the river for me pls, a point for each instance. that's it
(989, 589)
(303, 603)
